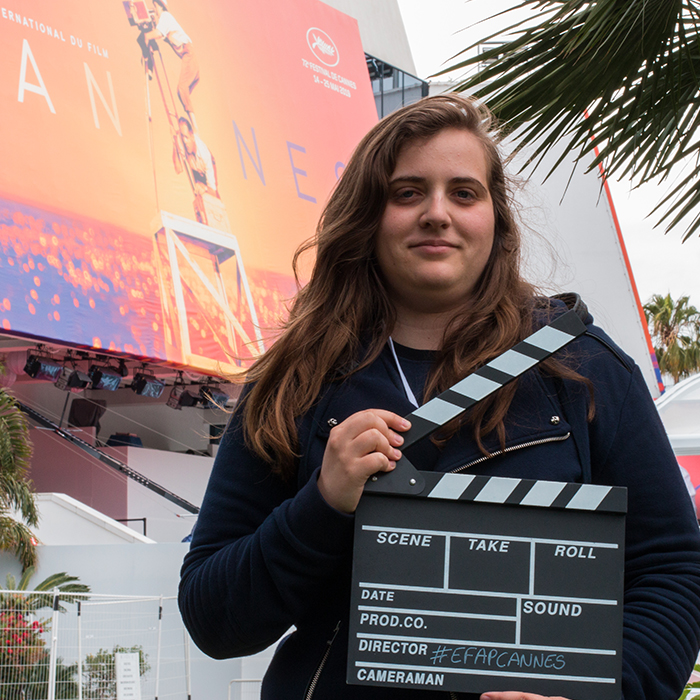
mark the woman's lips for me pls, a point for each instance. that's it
(433, 245)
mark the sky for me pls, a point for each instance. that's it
(660, 262)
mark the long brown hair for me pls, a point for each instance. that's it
(340, 321)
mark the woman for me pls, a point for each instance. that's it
(416, 284)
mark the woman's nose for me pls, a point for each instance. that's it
(436, 212)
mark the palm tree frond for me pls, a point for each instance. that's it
(16, 491)
(675, 330)
(45, 590)
(18, 538)
(630, 66)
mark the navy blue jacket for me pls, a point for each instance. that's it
(267, 555)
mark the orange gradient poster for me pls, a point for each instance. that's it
(161, 162)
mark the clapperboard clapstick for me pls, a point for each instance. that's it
(406, 479)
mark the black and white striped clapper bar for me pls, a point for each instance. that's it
(471, 583)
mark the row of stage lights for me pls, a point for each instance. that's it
(144, 383)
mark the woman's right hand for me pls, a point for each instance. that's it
(362, 445)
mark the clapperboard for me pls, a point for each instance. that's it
(469, 583)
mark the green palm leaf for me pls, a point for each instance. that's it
(18, 538)
(632, 66)
(62, 582)
(675, 329)
(16, 492)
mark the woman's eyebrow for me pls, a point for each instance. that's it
(460, 180)
(472, 181)
(407, 178)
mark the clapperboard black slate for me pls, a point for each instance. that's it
(472, 583)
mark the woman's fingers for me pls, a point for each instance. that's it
(384, 421)
(374, 440)
(360, 446)
(365, 433)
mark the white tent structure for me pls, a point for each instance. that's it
(679, 409)
(573, 242)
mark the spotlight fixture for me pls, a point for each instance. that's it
(175, 393)
(39, 367)
(147, 385)
(104, 378)
(212, 396)
(188, 399)
(179, 397)
(71, 378)
(174, 398)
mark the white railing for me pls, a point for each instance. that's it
(244, 689)
(56, 646)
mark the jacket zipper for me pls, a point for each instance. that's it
(513, 448)
(317, 674)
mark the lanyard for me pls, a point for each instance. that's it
(406, 386)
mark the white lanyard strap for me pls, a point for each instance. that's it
(406, 386)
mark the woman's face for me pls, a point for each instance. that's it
(437, 230)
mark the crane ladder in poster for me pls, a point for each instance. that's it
(471, 583)
(221, 246)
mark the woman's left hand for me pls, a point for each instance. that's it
(511, 695)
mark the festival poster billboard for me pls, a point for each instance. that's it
(162, 161)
